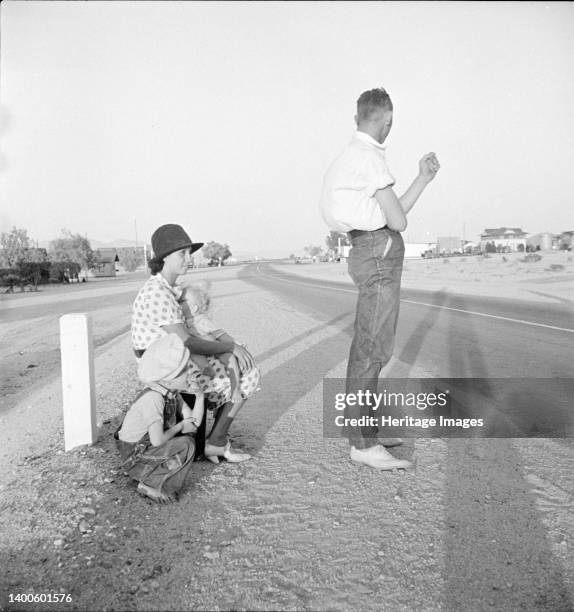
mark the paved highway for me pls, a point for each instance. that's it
(447, 335)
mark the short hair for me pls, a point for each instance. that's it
(196, 295)
(371, 101)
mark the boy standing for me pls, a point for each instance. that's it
(358, 198)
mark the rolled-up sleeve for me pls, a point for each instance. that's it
(377, 175)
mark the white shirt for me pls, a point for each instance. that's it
(349, 186)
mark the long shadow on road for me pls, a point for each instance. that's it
(295, 377)
(496, 547)
(497, 552)
(299, 374)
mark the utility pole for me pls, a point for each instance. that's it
(136, 231)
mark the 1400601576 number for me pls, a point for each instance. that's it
(40, 598)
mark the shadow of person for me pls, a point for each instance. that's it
(496, 547)
(294, 378)
(410, 349)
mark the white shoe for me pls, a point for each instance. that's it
(212, 453)
(377, 457)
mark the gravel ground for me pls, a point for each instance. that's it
(475, 525)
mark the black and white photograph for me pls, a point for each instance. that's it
(286, 306)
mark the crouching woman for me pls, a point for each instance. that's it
(156, 439)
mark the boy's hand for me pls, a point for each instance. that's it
(188, 425)
(429, 166)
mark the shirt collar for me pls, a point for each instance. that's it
(176, 290)
(368, 139)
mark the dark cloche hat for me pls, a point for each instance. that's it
(170, 238)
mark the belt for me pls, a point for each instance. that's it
(357, 233)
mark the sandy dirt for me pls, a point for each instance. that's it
(476, 525)
(513, 275)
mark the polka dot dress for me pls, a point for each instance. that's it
(156, 305)
(217, 388)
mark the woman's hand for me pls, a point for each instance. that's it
(244, 358)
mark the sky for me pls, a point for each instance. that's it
(118, 117)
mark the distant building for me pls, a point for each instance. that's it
(505, 239)
(130, 258)
(544, 241)
(447, 245)
(417, 249)
(106, 260)
(565, 240)
(471, 247)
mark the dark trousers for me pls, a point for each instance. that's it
(200, 435)
(375, 265)
(163, 467)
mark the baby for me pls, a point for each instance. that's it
(243, 375)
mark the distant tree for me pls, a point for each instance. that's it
(292, 256)
(129, 259)
(27, 264)
(216, 253)
(8, 278)
(32, 265)
(489, 247)
(13, 247)
(313, 251)
(333, 239)
(72, 249)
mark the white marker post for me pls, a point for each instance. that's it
(78, 391)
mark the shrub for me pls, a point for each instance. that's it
(9, 278)
(531, 258)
